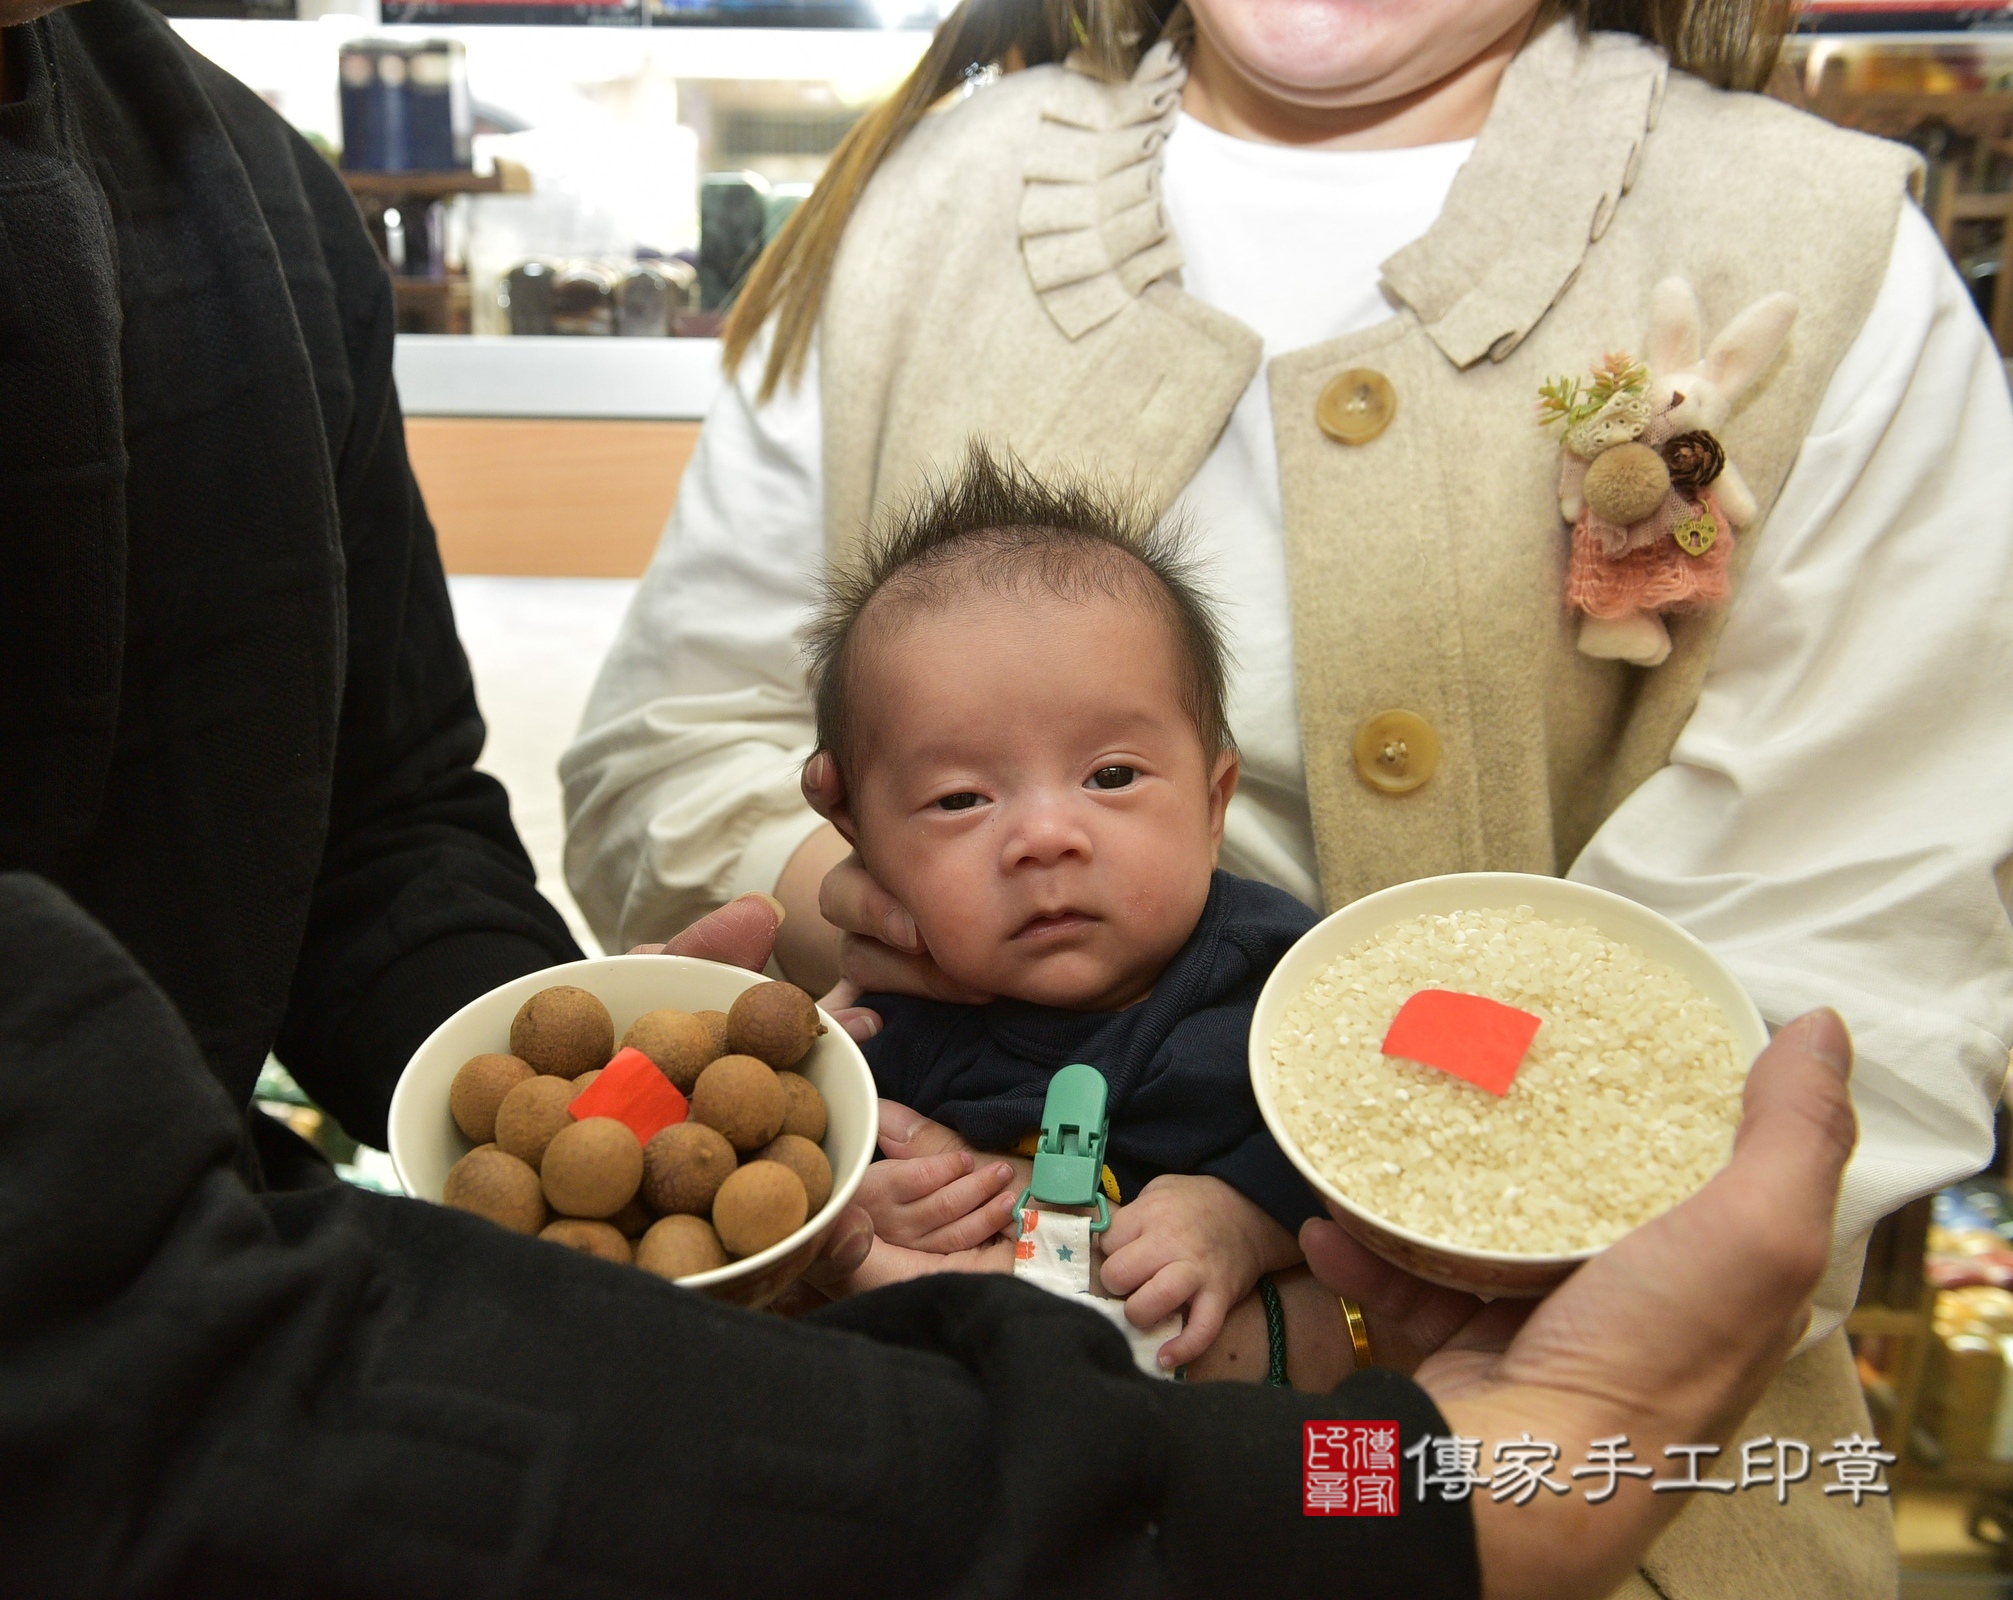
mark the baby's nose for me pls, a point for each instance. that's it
(1046, 832)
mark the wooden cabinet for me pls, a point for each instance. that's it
(524, 497)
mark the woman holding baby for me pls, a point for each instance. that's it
(1301, 270)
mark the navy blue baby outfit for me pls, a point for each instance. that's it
(1176, 1063)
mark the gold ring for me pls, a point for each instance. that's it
(1359, 1331)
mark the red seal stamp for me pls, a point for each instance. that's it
(1349, 1469)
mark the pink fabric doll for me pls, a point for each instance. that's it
(1643, 478)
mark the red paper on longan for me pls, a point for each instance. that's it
(1468, 1035)
(633, 1092)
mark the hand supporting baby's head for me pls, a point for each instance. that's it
(1023, 688)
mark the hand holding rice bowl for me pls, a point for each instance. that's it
(1624, 1105)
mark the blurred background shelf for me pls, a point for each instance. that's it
(432, 305)
(424, 185)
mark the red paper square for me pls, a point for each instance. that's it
(1469, 1035)
(632, 1091)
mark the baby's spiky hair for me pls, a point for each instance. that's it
(998, 526)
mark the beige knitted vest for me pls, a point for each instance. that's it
(1010, 274)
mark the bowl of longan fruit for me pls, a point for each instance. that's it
(691, 1119)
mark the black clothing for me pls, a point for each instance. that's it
(209, 1392)
(235, 723)
(1177, 1063)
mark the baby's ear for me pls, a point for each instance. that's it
(824, 788)
(1222, 786)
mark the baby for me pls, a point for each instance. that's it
(1022, 688)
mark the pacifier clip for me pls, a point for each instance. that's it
(1052, 1236)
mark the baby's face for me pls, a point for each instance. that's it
(1032, 790)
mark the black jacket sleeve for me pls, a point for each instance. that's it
(204, 1390)
(425, 898)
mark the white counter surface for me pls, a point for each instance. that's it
(479, 376)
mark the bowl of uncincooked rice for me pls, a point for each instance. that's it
(1624, 1104)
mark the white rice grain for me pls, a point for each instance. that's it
(1625, 1104)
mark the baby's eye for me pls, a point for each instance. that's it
(958, 802)
(1113, 777)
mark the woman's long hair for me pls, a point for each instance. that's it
(1731, 43)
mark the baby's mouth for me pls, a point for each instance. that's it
(1054, 924)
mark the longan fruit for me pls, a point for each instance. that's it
(804, 1113)
(585, 1081)
(493, 1183)
(563, 1031)
(805, 1159)
(634, 1219)
(678, 1247)
(479, 1088)
(590, 1239)
(677, 1041)
(760, 1203)
(531, 1114)
(743, 1099)
(773, 1022)
(684, 1166)
(592, 1168)
(716, 1024)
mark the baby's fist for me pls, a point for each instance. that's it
(943, 1203)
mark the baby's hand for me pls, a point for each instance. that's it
(1194, 1242)
(947, 1202)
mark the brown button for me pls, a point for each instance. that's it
(1396, 751)
(1356, 406)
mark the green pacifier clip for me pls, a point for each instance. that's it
(1069, 1158)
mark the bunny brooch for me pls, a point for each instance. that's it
(1644, 480)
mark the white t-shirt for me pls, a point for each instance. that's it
(1836, 821)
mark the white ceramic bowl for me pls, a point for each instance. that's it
(1493, 1273)
(425, 1142)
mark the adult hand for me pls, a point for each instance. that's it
(880, 949)
(742, 933)
(1669, 1336)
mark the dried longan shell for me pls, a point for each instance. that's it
(760, 1203)
(585, 1081)
(805, 1159)
(741, 1097)
(634, 1219)
(677, 1041)
(478, 1089)
(716, 1024)
(590, 1239)
(531, 1114)
(493, 1183)
(678, 1247)
(773, 1022)
(592, 1168)
(563, 1031)
(684, 1166)
(804, 1113)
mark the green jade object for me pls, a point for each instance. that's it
(1069, 1159)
